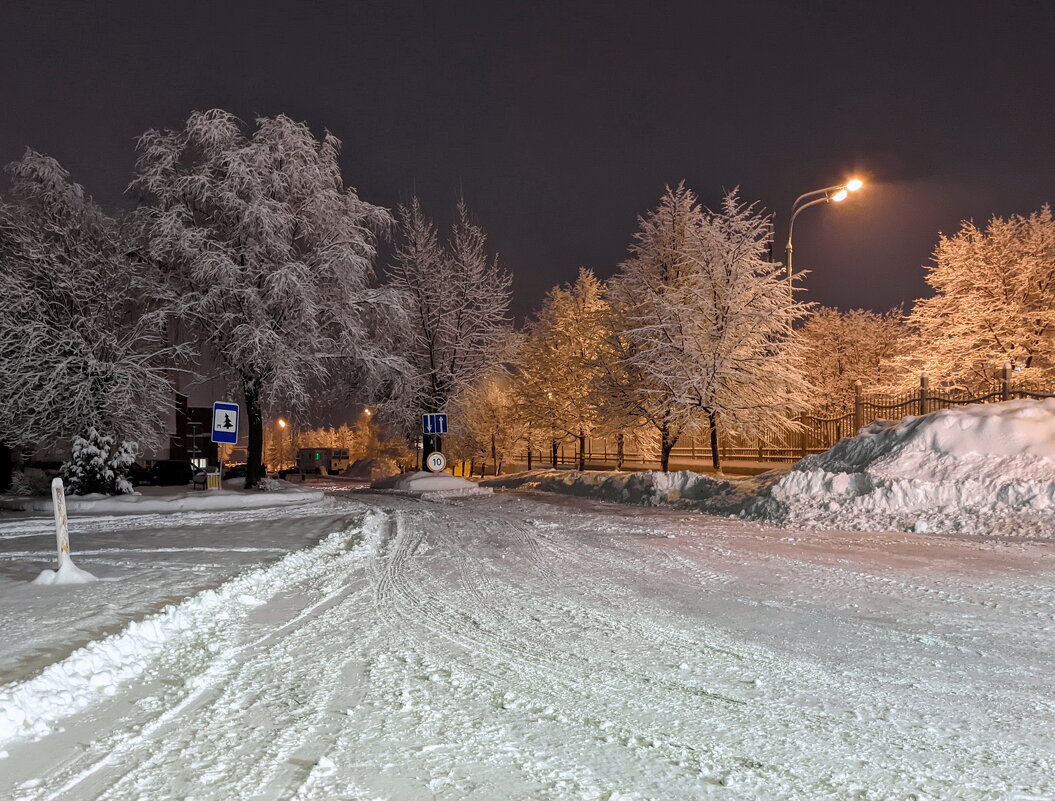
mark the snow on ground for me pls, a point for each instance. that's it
(171, 499)
(66, 573)
(144, 562)
(512, 647)
(981, 469)
(682, 488)
(422, 482)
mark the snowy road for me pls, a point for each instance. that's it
(513, 647)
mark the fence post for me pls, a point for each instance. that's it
(859, 407)
(1005, 381)
(803, 437)
(924, 383)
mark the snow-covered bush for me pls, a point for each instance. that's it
(28, 484)
(269, 484)
(97, 467)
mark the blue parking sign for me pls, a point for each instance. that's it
(225, 423)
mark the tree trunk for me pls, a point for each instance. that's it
(716, 458)
(620, 444)
(6, 466)
(255, 416)
(553, 453)
(494, 453)
(529, 457)
(582, 451)
(666, 445)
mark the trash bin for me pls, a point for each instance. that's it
(212, 480)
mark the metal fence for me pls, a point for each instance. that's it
(817, 432)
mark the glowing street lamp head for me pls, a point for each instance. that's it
(839, 196)
(854, 184)
(282, 423)
(367, 411)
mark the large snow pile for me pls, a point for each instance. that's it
(431, 484)
(644, 488)
(982, 469)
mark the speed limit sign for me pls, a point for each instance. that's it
(436, 461)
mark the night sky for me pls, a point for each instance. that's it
(561, 122)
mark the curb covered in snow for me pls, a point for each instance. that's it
(683, 488)
(422, 484)
(197, 501)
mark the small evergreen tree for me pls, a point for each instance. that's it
(95, 467)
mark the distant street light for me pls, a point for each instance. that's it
(830, 194)
(283, 424)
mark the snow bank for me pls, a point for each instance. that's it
(981, 469)
(645, 488)
(371, 469)
(194, 501)
(33, 708)
(423, 483)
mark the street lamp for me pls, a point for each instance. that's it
(830, 194)
(283, 424)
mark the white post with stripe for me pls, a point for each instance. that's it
(62, 526)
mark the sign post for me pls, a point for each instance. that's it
(433, 426)
(224, 428)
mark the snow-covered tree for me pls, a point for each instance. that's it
(488, 419)
(842, 348)
(78, 346)
(267, 254)
(707, 321)
(994, 303)
(95, 466)
(558, 369)
(456, 299)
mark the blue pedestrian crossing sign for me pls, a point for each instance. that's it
(433, 424)
(225, 423)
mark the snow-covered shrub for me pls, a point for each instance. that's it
(269, 484)
(28, 484)
(96, 467)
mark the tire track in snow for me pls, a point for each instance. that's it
(118, 758)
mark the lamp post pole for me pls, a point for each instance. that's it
(829, 194)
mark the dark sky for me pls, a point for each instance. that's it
(561, 122)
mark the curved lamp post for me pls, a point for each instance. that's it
(830, 194)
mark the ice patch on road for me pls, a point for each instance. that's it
(32, 709)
